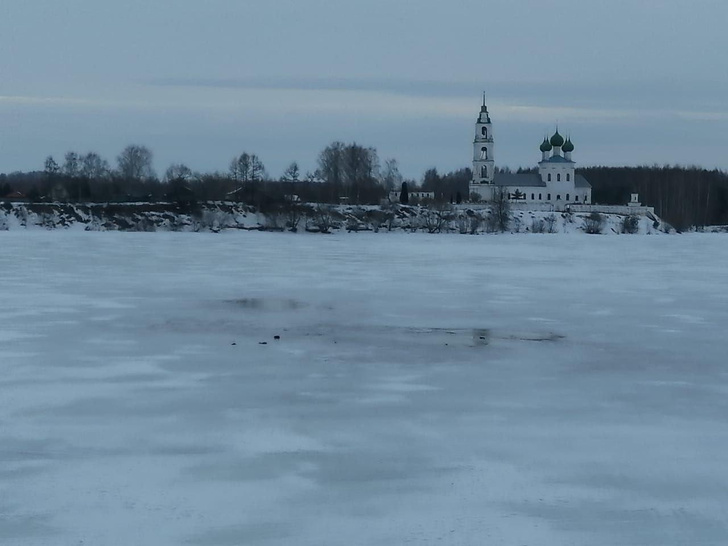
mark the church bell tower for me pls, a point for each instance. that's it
(483, 157)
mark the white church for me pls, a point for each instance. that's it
(555, 183)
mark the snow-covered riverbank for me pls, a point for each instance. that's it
(218, 216)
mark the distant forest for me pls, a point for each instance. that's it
(350, 173)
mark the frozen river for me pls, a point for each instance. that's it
(139, 405)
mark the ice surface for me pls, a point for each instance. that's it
(137, 405)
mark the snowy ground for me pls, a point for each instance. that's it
(138, 407)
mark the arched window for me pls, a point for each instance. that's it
(483, 172)
(548, 197)
(484, 132)
(549, 177)
(558, 197)
(576, 198)
(558, 177)
(532, 197)
(539, 197)
(567, 196)
(484, 153)
(568, 177)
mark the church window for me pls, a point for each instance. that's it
(484, 132)
(548, 197)
(576, 198)
(532, 197)
(484, 153)
(567, 196)
(568, 177)
(558, 177)
(539, 197)
(484, 172)
(558, 197)
(549, 177)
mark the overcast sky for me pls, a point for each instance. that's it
(632, 81)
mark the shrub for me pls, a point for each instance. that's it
(550, 223)
(594, 223)
(538, 226)
(630, 224)
(322, 219)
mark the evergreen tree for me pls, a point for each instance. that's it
(404, 194)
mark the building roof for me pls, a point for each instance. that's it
(532, 180)
(556, 159)
(581, 182)
(525, 180)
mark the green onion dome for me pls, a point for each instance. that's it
(557, 140)
(546, 145)
(568, 146)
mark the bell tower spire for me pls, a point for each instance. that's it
(483, 148)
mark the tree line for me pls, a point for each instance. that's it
(684, 196)
(345, 172)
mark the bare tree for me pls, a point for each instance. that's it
(50, 173)
(135, 163)
(391, 177)
(292, 173)
(500, 208)
(71, 167)
(257, 169)
(50, 167)
(178, 172)
(330, 163)
(94, 167)
(351, 168)
(240, 167)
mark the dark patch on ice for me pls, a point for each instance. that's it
(268, 304)
(465, 336)
(251, 533)
(268, 466)
(182, 450)
(22, 472)
(15, 526)
(641, 525)
(533, 336)
(21, 450)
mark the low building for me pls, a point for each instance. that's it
(412, 194)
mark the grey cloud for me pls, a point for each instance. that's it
(676, 94)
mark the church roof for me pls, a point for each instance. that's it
(532, 180)
(556, 159)
(526, 180)
(581, 182)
